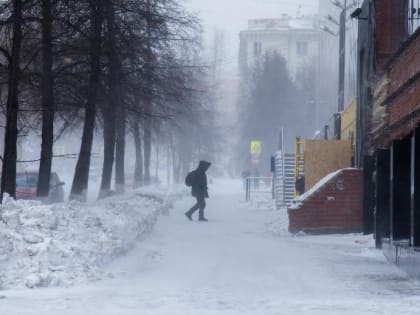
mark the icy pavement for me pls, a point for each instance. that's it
(241, 262)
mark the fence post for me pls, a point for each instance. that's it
(247, 189)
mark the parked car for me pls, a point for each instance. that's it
(26, 186)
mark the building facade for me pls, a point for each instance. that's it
(389, 119)
(296, 39)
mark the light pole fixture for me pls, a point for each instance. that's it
(356, 14)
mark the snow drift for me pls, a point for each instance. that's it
(57, 245)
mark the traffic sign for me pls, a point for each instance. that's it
(255, 148)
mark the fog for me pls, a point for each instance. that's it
(301, 113)
(191, 80)
(232, 16)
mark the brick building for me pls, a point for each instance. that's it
(388, 118)
(333, 206)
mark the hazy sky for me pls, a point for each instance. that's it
(233, 15)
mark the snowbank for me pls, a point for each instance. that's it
(277, 220)
(57, 245)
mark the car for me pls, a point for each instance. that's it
(26, 187)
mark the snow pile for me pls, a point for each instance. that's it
(280, 225)
(56, 245)
(277, 220)
(262, 202)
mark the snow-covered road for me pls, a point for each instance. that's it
(239, 263)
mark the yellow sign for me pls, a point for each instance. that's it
(255, 147)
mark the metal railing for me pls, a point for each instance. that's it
(259, 185)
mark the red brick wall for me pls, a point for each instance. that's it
(407, 100)
(335, 207)
(405, 66)
(391, 28)
(405, 103)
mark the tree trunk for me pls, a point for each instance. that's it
(112, 103)
(138, 168)
(147, 148)
(81, 176)
(8, 183)
(168, 165)
(149, 99)
(109, 150)
(47, 102)
(185, 168)
(157, 161)
(177, 172)
(175, 164)
(120, 150)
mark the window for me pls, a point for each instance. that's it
(302, 48)
(257, 49)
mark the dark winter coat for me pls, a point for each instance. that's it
(199, 183)
(300, 184)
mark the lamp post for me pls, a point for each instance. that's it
(341, 61)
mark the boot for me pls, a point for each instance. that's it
(188, 215)
(203, 219)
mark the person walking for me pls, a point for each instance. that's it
(197, 179)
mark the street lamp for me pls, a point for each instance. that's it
(356, 14)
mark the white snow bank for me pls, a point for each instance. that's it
(277, 220)
(57, 245)
(297, 202)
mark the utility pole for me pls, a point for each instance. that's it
(341, 61)
(342, 57)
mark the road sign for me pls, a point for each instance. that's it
(255, 148)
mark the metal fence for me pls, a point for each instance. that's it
(258, 185)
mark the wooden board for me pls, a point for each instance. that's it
(323, 157)
(348, 122)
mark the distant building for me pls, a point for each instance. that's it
(296, 39)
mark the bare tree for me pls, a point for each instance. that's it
(138, 166)
(81, 176)
(47, 96)
(70, 51)
(8, 183)
(112, 103)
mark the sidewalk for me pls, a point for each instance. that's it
(237, 263)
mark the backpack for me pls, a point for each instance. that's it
(189, 179)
